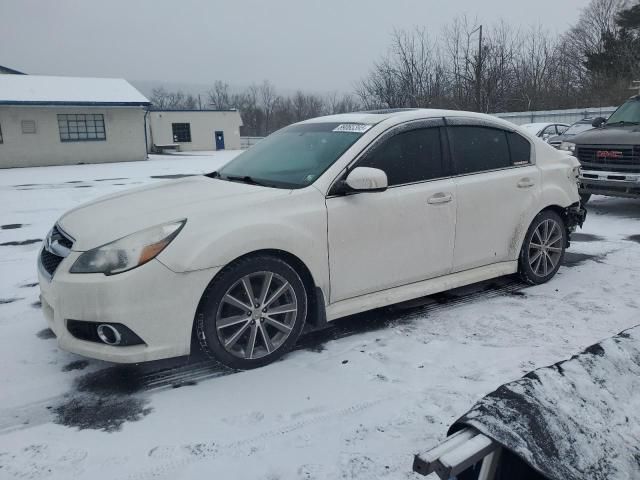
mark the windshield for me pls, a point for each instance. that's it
(577, 128)
(295, 156)
(628, 112)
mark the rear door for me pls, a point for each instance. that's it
(497, 187)
(380, 240)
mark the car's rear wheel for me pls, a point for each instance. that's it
(543, 248)
(252, 313)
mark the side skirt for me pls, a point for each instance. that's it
(418, 289)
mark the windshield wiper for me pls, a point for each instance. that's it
(244, 179)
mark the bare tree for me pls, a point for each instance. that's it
(219, 96)
(159, 98)
(268, 99)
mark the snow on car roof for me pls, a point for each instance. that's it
(48, 90)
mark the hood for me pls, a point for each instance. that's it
(615, 135)
(114, 216)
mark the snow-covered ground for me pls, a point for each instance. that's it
(353, 402)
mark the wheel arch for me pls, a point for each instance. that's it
(316, 314)
(521, 233)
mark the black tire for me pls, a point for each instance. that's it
(584, 198)
(211, 338)
(530, 265)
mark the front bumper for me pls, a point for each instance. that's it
(615, 184)
(575, 215)
(156, 303)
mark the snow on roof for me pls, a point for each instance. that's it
(46, 90)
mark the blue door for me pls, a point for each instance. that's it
(219, 140)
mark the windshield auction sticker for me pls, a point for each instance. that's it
(352, 127)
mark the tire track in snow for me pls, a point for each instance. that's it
(149, 379)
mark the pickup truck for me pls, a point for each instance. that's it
(609, 154)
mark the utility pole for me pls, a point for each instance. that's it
(479, 70)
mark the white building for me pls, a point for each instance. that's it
(186, 130)
(67, 120)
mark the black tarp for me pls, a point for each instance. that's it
(575, 420)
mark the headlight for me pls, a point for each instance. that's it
(128, 252)
(568, 146)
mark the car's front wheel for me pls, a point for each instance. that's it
(252, 313)
(543, 248)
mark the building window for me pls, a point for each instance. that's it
(181, 132)
(81, 127)
(28, 126)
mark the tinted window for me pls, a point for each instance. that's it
(476, 149)
(408, 157)
(520, 149)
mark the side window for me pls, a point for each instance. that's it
(476, 149)
(408, 157)
(562, 129)
(520, 149)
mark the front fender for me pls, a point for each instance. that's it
(295, 224)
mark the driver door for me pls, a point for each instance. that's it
(381, 240)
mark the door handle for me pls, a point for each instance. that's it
(525, 183)
(440, 198)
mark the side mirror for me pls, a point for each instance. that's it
(546, 136)
(598, 121)
(366, 179)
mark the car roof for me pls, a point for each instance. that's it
(398, 115)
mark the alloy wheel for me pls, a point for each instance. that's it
(545, 247)
(256, 315)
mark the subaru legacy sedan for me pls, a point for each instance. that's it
(320, 220)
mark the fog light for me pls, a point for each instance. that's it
(114, 334)
(109, 334)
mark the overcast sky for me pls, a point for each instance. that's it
(314, 45)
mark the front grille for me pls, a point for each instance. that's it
(63, 240)
(52, 253)
(593, 158)
(50, 261)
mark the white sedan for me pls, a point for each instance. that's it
(322, 219)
